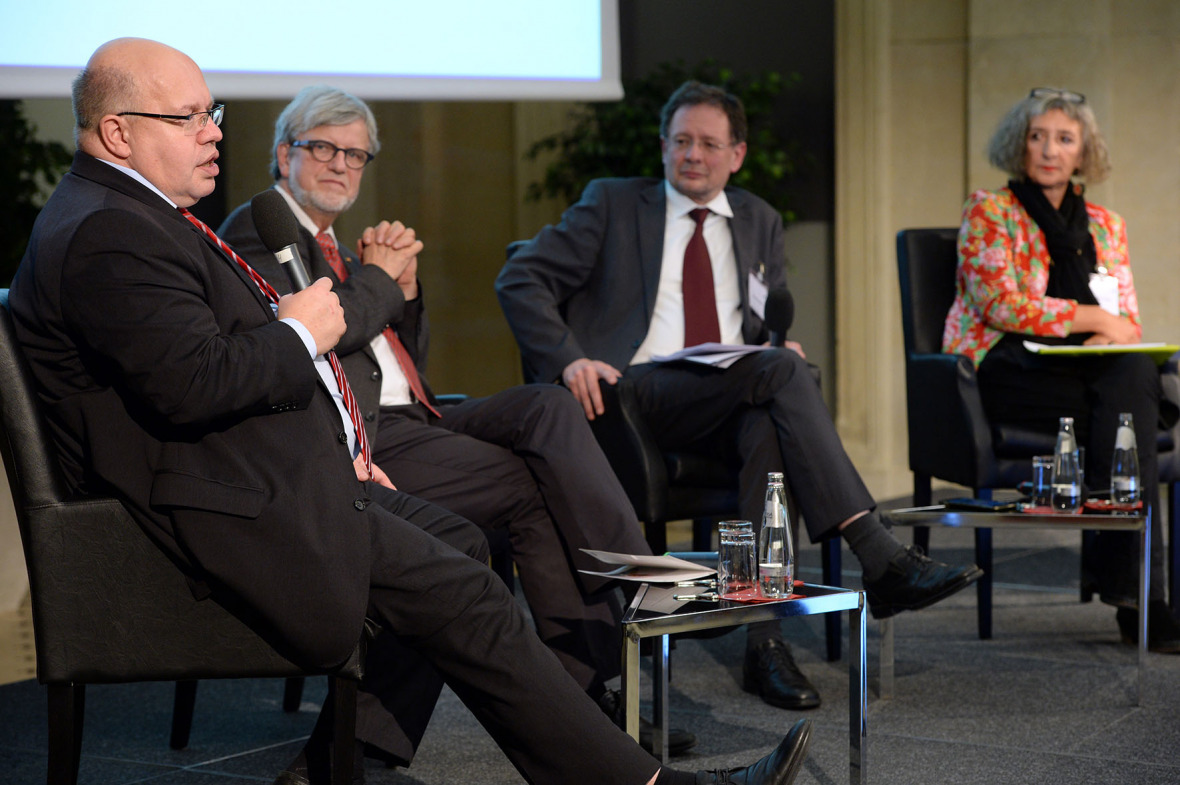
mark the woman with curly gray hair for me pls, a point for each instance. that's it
(1037, 261)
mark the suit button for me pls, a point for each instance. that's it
(370, 416)
(360, 504)
(375, 376)
(342, 437)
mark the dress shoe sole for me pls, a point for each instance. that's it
(750, 685)
(887, 610)
(801, 739)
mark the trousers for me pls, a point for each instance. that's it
(764, 413)
(438, 604)
(525, 460)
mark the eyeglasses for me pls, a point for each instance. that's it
(354, 157)
(191, 123)
(683, 144)
(1052, 92)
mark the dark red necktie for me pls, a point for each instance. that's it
(350, 404)
(700, 301)
(336, 262)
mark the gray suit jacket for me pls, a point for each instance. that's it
(587, 287)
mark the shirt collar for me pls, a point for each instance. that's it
(679, 204)
(134, 175)
(302, 216)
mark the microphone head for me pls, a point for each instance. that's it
(780, 310)
(274, 220)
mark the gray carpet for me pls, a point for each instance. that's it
(1048, 700)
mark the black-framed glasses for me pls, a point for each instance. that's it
(1053, 92)
(192, 123)
(324, 152)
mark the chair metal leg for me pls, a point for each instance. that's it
(983, 588)
(922, 496)
(183, 704)
(1173, 533)
(1086, 593)
(342, 694)
(292, 694)
(67, 710)
(830, 555)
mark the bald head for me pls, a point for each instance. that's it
(117, 76)
(145, 106)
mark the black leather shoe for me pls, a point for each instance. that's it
(770, 672)
(680, 741)
(777, 768)
(915, 581)
(1163, 631)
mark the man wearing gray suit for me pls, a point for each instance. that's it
(640, 268)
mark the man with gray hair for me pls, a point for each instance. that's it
(523, 459)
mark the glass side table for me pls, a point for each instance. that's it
(983, 522)
(654, 614)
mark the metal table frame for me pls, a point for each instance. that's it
(640, 621)
(938, 515)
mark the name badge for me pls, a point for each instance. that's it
(1105, 288)
(758, 292)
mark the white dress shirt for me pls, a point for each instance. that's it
(665, 334)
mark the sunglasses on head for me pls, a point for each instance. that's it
(1053, 92)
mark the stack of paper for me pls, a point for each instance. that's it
(649, 569)
(720, 355)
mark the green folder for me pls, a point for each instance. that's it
(1160, 352)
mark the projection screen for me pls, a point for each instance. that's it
(377, 49)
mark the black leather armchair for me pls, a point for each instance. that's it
(950, 437)
(108, 605)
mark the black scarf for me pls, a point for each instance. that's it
(1067, 236)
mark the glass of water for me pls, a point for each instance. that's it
(735, 558)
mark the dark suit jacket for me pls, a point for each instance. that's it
(168, 382)
(370, 298)
(587, 287)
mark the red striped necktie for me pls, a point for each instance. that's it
(268, 291)
(404, 361)
(700, 299)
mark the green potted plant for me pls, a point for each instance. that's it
(29, 169)
(618, 138)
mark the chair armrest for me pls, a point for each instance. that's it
(451, 399)
(949, 434)
(631, 449)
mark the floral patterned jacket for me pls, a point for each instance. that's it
(1004, 269)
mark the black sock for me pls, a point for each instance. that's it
(872, 544)
(761, 632)
(668, 776)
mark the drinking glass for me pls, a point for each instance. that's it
(1042, 481)
(735, 558)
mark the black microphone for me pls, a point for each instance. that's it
(279, 231)
(780, 313)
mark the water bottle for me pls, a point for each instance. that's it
(776, 551)
(1067, 474)
(1124, 466)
